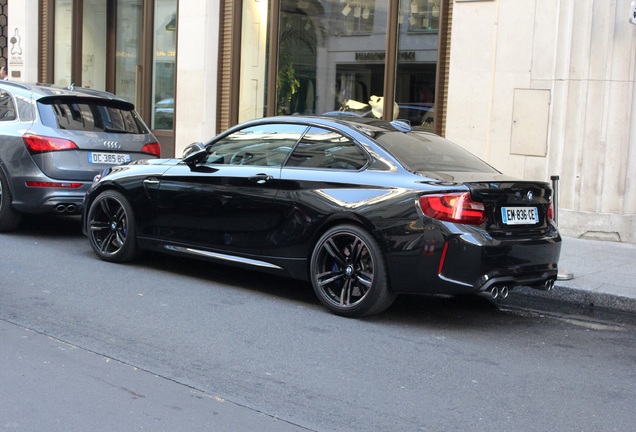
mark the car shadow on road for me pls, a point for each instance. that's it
(49, 225)
(411, 309)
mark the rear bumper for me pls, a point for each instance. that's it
(480, 265)
(469, 262)
(48, 199)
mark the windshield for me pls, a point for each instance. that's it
(420, 151)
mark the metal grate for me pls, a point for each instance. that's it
(4, 31)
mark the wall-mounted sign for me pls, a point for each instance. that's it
(381, 56)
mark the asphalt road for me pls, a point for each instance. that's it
(172, 344)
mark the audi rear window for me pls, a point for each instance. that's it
(90, 115)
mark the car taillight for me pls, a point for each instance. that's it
(41, 144)
(152, 148)
(550, 212)
(453, 207)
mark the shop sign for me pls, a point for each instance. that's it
(381, 55)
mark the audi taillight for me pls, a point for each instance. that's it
(453, 207)
(152, 148)
(40, 144)
(550, 212)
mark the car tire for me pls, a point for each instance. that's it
(9, 217)
(111, 227)
(349, 274)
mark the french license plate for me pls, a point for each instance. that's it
(519, 215)
(108, 158)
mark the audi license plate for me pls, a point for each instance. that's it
(519, 215)
(108, 158)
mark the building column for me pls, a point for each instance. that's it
(22, 42)
(197, 71)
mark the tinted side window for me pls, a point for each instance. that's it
(91, 115)
(322, 148)
(264, 145)
(7, 108)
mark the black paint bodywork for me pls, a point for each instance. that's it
(270, 218)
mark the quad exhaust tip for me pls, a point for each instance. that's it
(66, 208)
(502, 292)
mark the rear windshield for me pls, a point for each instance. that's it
(93, 115)
(420, 152)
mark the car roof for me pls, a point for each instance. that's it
(324, 119)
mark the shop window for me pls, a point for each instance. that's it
(128, 43)
(331, 58)
(421, 15)
(358, 16)
(62, 42)
(164, 71)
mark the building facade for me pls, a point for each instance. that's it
(536, 87)
(542, 88)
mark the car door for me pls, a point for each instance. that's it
(228, 202)
(319, 179)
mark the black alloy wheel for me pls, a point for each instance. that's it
(9, 217)
(348, 273)
(111, 227)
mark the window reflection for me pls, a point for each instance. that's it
(253, 59)
(94, 44)
(332, 57)
(422, 15)
(417, 61)
(128, 50)
(62, 41)
(163, 82)
(358, 16)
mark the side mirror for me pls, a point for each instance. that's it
(193, 153)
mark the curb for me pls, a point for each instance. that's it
(583, 297)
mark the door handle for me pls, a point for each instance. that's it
(260, 178)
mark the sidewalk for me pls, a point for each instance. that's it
(604, 274)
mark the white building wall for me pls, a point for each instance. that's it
(197, 71)
(22, 43)
(506, 56)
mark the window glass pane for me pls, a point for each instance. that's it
(94, 44)
(331, 56)
(421, 151)
(417, 61)
(163, 82)
(322, 148)
(128, 50)
(7, 109)
(62, 49)
(79, 114)
(265, 145)
(254, 28)
(422, 15)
